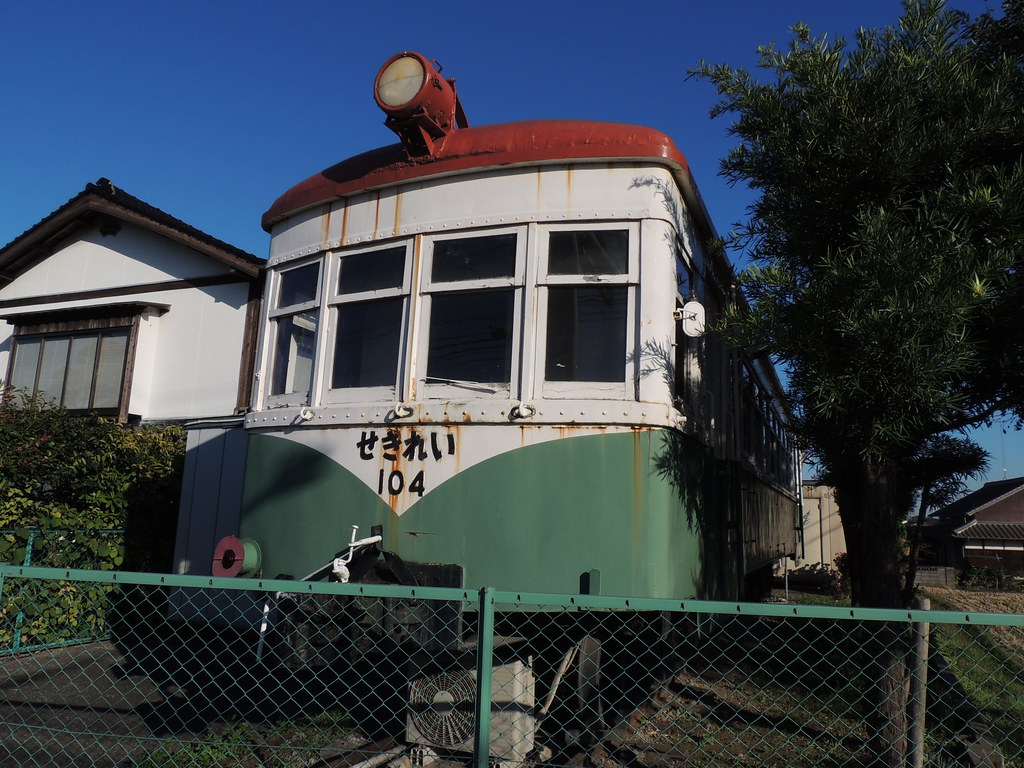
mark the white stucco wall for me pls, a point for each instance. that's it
(187, 359)
(823, 530)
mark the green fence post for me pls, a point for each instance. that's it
(29, 546)
(918, 687)
(484, 670)
(3, 573)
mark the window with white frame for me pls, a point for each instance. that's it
(589, 281)
(456, 319)
(472, 289)
(294, 320)
(370, 320)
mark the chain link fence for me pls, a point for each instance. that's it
(193, 671)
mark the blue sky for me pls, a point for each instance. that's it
(210, 110)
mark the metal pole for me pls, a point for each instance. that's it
(918, 686)
(484, 672)
(785, 571)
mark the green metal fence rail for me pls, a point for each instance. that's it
(197, 671)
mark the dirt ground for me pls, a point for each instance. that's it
(985, 602)
(55, 704)
(74, 706)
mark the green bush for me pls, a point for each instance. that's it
(989, 579)
(839, 576)
(89, 475)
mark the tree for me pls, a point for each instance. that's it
(940, 471)
(1003, 36)
(885, 247)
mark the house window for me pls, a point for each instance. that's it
(370, 307)
(294, 320)
(590, 286)
(80, 358)
(79, 372)
(473, 284)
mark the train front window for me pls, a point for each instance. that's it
(371, 270)
(601, 252)
(586, 333)
(471, 338)
(530, 311)
(369, 323)
(474, 258)
(295, 318)
(472, 288)
(366, 344)
(589, 281)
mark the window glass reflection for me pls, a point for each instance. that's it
(78, 380)
(367, 344)
(471, 336)
(298, 286)
(293, 354)
(26, 363)
(586, 333)
(110, 368)
(474, 258)
(372, 271)
(598, 252)
(51, 369)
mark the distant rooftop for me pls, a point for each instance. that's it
(988, 494)
(992, 531)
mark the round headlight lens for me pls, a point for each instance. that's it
(400, 81)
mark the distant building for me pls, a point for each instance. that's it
(823, 536)
(110, 305)
(984, 529)
(823, 530)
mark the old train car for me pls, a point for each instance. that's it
(486, 346)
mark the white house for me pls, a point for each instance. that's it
(111, 305)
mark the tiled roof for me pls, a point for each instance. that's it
(984, 529)
(103, 199)
(987, 494)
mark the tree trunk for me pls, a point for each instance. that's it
(915, 547)
(869, 513)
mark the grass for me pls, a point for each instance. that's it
(988, 666)
(753, 692)
(769, 692)
(283, 744)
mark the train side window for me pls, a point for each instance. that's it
(589, 288)
(473, 289)
(369, 322)
(294, 320)
(685, 348)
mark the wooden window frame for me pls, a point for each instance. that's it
(81, 322)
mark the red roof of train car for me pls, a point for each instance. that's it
(468, 149)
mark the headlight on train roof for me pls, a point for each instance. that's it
(400, 80)
(421, 106)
